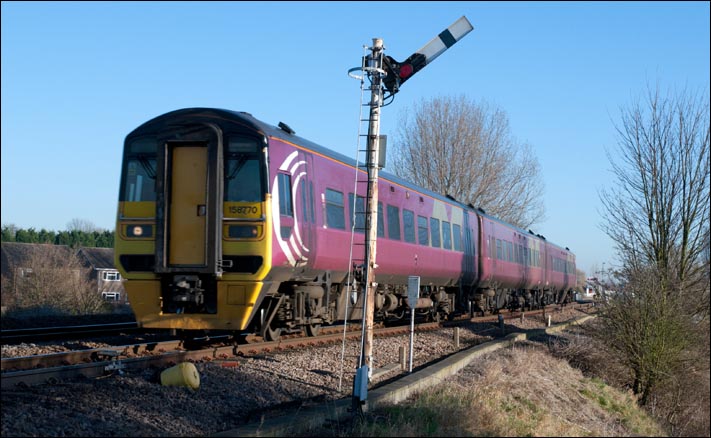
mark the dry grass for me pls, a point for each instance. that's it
(680, 404)
(523, 391)
(526, 392)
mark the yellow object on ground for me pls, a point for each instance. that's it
(184, 374)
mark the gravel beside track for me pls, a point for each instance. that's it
(232, 391)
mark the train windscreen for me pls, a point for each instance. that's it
(140, 172)
(243, 178)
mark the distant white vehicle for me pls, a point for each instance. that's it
(588, 295)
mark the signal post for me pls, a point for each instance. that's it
(385, 72)
(371, 224)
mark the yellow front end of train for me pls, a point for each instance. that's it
(193, 240)
(237, 293)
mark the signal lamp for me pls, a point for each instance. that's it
(406, 71)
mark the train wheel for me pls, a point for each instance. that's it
(271, 333)
(313, 329)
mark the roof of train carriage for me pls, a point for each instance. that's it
(247, 119)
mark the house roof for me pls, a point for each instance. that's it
(98, 258)
(19, 255)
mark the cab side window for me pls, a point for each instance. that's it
(286, 205)
(334, 210)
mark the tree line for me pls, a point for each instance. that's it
(73, 237)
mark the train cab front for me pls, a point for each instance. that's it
(192, 240)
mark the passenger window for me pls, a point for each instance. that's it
(360, 215)
(357, 216)
(381, 221)
(446, 235)
(509, 245)
(286, 205)
(408, 222)
(422, 231)
(393, 222)
(457, 237)
(434, 229)
(334, 210)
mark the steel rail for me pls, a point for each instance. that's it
(14, 336)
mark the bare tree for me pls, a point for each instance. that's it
(454, 146)
(648, 327)
(83, 225)
(659, 211)
(54, 280)
(658, 215)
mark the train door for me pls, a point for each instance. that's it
(526, 265)
(470, 269)
(491, 250)
(187, 224)
(545, 265)
(486, 256)
(293, 200)
(569, 268)
(518, 260)
(303, 194)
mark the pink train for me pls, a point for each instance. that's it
(228, 223)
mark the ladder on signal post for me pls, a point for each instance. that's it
(359, 262)
(361, 216)
(355, 264)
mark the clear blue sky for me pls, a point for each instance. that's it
(77, 77)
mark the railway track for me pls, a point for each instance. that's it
(17, 336)
(93, 363)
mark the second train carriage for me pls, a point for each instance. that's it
(227, 223)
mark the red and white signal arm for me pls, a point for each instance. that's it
(399, 72)
(446, 39)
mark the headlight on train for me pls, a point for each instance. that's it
(244, 231)
(142, 230)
